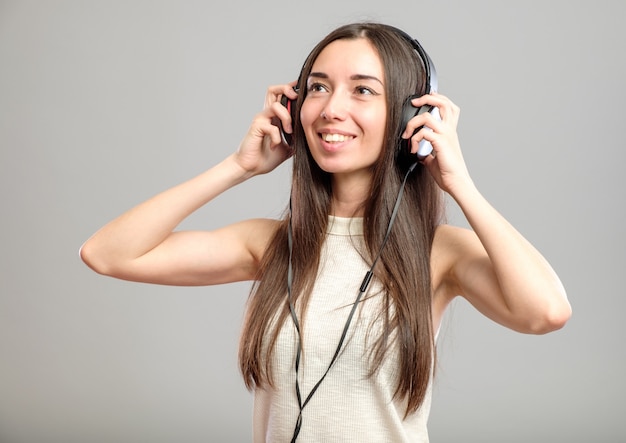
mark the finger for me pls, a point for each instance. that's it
(423, 121)
(275, 92)
(272, 132)
(283, 116)
(423, 134)
(432, 99)
(448, 110)
(290, 91)
(272, 95)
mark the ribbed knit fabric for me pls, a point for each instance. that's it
(349, 406)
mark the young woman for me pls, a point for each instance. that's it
(351, 286)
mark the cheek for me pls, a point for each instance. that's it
(307, 114)
(375, 123)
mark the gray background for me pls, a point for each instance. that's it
(103, 104)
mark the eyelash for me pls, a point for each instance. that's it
(365, 88)
(313, 87)
(362, 90)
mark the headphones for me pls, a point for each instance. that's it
(408, 110)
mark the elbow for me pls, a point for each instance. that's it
(90, 256)
(552, 319)
(552, 312)
(105, 262)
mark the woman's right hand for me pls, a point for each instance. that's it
(262, 148)
(142, 244)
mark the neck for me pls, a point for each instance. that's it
(349, 195)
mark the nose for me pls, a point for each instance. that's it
(336, 106)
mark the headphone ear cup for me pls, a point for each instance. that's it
(408, 112)
(291, 107)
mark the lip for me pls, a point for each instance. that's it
(335, 146)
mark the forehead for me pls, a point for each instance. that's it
(349, 57)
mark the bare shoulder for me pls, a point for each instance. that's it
(256, 233)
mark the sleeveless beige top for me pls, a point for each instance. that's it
(349, 405)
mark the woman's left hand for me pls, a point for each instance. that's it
(492, 265)
(445, 163)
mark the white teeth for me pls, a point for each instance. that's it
(334, 138)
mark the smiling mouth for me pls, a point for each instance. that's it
(335, 138)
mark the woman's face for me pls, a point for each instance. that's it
(344, 112)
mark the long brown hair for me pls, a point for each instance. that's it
(404, 265)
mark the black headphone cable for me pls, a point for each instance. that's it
(362, 289)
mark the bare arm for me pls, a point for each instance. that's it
(501, 274)
(493, 266)
(142, 244)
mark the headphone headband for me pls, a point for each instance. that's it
(429, 66)
(409, 111)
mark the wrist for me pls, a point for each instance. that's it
(238, 172)
(462, 188)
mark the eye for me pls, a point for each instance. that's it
(317, 87)
(365, 90)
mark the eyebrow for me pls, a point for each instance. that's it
(352, 77)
